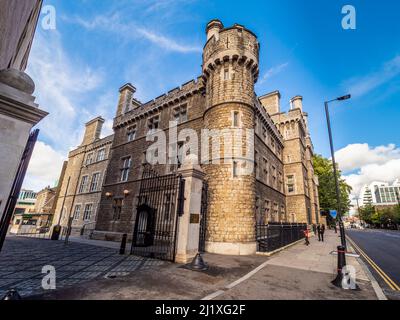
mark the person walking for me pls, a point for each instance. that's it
(307, 237)
(321, 232)
(314, 226)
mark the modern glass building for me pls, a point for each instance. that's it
(381, 193)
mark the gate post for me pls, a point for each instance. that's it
(189, 223)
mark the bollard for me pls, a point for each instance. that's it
(123, 244)
(341, 263)
(198, 264)
(12, 295)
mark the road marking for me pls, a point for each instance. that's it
(383, 275)
(237, 282)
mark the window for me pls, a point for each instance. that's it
(274, 176)
(267, 209)
(131, 133)
(82, 187)
(235, 169)
(87, 215)
(117, 208)
(101, 154)
(272, 144)
(275, 212)
(77, 212)
(256, 167)
(264, 130)
(266, 171)
(153, 123)
(235, 121)
(226, 74)
(280, 181)
(95, 182)
(126, 166)
(290, 183)
(180, 114)
(89, 158)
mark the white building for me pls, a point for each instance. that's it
(380, 193)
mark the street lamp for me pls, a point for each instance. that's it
(339, 213)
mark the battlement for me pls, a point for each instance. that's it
(174, 96)
(233, 44)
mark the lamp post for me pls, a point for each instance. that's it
(341, 226)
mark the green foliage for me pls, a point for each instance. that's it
(327, 191)
(388, 215)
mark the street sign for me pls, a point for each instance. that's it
(333, 213)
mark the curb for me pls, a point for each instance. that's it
(268, 254)
(375, 285)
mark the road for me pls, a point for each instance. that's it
(380, 249)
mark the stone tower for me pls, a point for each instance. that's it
(230, 70)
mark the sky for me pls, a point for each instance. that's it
(99, 45)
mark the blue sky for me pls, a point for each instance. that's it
(98, 45)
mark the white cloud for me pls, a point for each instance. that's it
(367, 164)
(132, 32)
(62, 85)
(360, 86)
(44, 168)
(273, 72)
(355, 156)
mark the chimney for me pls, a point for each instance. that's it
(126, 93)
(296, 103)
(92, 130)
(213, 29)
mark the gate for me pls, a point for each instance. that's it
(203, 221)
(16, 186)
(160, 204)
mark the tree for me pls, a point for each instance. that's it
(323, 168)
(367, 213)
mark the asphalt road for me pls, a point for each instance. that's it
(381, 251)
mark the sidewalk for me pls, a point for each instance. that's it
(304, 273)
(299, 273)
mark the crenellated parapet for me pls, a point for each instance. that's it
(230, 64)
(171, 98)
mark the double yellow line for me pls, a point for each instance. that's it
(383, 275)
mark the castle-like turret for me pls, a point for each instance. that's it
(230, 70)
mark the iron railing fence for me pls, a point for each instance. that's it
(39, 233)
(273, 236)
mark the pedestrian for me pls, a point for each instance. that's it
(307, 237)
(321, 232)
(335, 228)
(314, 226)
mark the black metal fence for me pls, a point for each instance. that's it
(274, 236)
(42, 233)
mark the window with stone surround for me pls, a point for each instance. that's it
(153, 123)
(82, 186)
(94, 186)
(256, 167)
(131, 135)
(267, 210)
(280, 181)
(126, 167)
(266, 170)
(274, 181)
(180, 114)
(87, 214)
(226, 74)
(101, 154)
(275, 212)
(290, 183)
(117, 208)
(77, 211)
(89, 158)
(235, 119)
(235, 169)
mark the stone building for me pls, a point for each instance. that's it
(281, 186)
(18, 111)
(82, 180)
